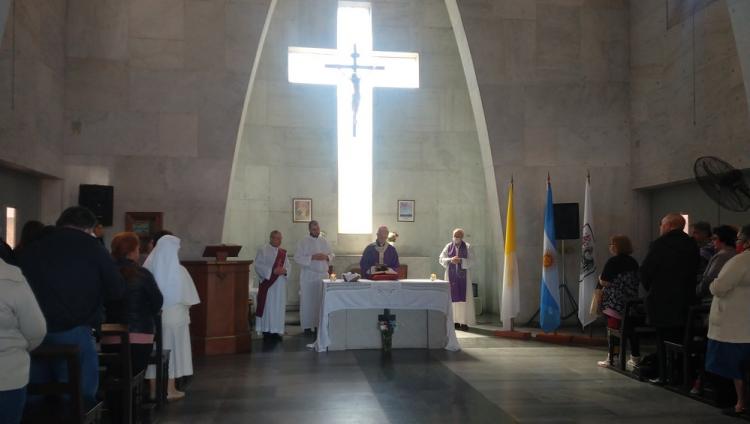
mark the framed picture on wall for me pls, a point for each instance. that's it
(301, 210)
(405, 211)
(143, 223)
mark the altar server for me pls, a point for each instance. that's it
(457, 258)
(272, 266)
(313, 255)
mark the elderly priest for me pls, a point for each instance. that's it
(379, 257)
(272, 266)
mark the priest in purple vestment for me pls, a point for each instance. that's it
(457, 258)
(379, 256)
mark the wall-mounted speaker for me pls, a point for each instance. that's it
(567, 226)
(99, 199)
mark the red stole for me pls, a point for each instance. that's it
(266, 284)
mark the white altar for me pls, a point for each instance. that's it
(349, 314)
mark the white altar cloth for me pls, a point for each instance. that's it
(402, 294)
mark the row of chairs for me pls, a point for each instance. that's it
(123, 392)
(684, 358)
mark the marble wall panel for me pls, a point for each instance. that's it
(160, 19)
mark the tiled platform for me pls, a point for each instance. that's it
(492, 380)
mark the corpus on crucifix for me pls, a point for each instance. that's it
(355, 69)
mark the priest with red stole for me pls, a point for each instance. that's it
(379, 257)
(272, 266)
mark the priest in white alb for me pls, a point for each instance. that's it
(313, 255)
(272, 267)
(457, 258)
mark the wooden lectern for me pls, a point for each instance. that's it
(218, 325)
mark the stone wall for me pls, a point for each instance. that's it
(153, 96)
(32, 72)
(22, 192)
(553, 79)
(687, 92)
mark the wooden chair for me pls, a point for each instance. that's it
(59, 402)
(693, 344)
(160, 360)
(632, 324)
(124, 390)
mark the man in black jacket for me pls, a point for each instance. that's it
(72, 275)
(668, 275)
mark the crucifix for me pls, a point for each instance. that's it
(355, 69)
(356, 97)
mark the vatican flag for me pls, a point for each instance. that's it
(511, 301)
(549, 308)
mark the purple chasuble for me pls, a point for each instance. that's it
(456, 274)
(371, 257)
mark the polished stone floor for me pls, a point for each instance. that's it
(490, 381)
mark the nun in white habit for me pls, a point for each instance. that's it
(179, 294)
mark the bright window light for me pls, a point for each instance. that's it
(10, 226)
(687, 223)
(354, 103)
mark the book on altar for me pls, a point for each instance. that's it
(381, 272)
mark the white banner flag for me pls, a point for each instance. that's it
(588, 278)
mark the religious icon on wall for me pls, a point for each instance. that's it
(301, 210)
(143, 223)
(405, 211)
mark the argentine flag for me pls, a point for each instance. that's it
(549, 309)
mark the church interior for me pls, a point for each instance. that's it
(282, 175)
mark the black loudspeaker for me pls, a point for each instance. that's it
(567, 226)
(99, 199)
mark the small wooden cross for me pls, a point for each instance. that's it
(386, 316)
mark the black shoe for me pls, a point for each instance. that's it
(457, 326)
(308, 332)
(267, 335)
(278, 337)
(731, 412)
(464, 327)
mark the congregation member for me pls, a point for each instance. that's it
(6, 253)
(457, 258)
(22, 329)
(179, 293)
(140, 306)
(619, 281)
(313, 255)
(380, 256)
(271, 266)
(723, 239)
(99, 234)
(729, 322)
(72, 276)
(701, 233)
(668, 275)
(30, 232)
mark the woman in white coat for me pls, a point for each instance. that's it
(179, 294)
(22, 328)
(729, 322)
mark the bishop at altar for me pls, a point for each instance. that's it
(379, 257)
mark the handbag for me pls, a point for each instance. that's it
(596, 301)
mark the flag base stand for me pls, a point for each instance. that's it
(565, 295)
